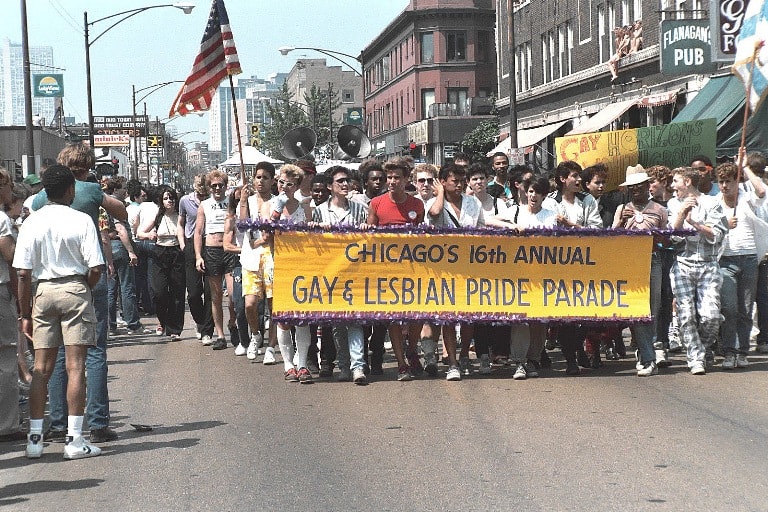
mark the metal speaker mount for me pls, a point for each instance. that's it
(353, 141)
(298, 143)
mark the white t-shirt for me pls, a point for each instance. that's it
(57, 241)
(471, 214)
(147, 210)
(133, 210)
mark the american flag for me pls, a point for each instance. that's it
(752, 37)
(217, 59)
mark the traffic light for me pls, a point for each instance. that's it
(116, 165)
(414, 149)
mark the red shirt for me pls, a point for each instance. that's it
(411, 211)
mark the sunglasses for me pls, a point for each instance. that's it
(428, 181)
(342, 180)
(217, 185)
(285, 183)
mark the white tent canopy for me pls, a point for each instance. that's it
(251, 156)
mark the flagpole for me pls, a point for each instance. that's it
(237, 131)
(742, 149)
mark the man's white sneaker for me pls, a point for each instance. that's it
(78, 448)
(741, 361)
(698, 368)
(198, 334)
(34, 446)
(647, 370)
(661, 358)
(240, 350)
(520, 373)
(250, 353)
(206, 340)
(358, 377)
(453, 374)
(729, 363)
(269, 356)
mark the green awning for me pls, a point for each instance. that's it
(757, 134)
(721, 98)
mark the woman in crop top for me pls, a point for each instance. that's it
(168, 274)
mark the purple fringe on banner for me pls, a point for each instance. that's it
(424, 229)
(304, 318)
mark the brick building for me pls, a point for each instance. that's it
(562, 78)
(429, 76)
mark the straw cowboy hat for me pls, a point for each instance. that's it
(635, 175)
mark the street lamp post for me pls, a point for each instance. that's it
(285, 50)
(154, 87)
(184, 6)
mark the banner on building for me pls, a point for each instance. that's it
(671, 144)
(447, 277)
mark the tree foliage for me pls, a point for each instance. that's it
(482, 139)
(319, 112)
(286, 115)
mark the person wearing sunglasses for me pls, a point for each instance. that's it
(286, 207)
(424, 181)
(340, 211)
(210, 257)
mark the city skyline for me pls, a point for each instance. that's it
(160, 46)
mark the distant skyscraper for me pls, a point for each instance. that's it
(257, 92)
(12, 83)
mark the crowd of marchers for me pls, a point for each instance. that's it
(84, 260)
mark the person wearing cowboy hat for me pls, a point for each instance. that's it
(643, 214)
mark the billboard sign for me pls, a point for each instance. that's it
(48, 85)
(726, 18)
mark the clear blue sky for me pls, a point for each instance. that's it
(160, 45)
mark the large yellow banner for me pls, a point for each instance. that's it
(447, 277)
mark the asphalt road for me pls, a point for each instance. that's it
(231, 435)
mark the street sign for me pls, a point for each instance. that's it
(154, 160)
(155, 141)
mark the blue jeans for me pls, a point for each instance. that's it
(97, 395)
(737, 295)
(645, 334)
(349, 346)
(127, 279)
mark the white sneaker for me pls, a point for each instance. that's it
(34, 446)
(698, 368)
(661, 358)
(250, 353)
(453, 374)
(240, 350)
(741, 361)
(647, 370)
(729, 363)
(358, 377)
(485, 364)
(206, 340)
(520, 373)
(638, 364)
(78, 448)
(198, 334)
(269, 356)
